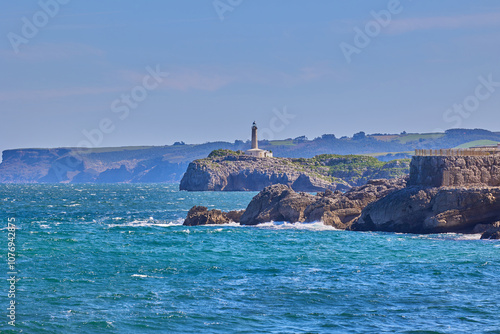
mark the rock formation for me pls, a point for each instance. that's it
(341, 210)
(232, 171)
(276, 203)
(392, 205)
(489, 231)
(444, 194)
(200, 215)
(432, 210)
(281, 203)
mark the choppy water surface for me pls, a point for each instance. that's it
(115, 259)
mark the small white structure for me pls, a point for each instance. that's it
(255, 151)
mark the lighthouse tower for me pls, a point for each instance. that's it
(255, 151)
(255, 143)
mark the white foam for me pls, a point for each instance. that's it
(315, 226)
(451, 236)
(231, 224)
(146, 276)
(469, 236)
(148, 223)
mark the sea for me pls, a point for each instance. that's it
(116, 259)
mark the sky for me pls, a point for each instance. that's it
(119, 73)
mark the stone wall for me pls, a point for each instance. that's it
(437, 171)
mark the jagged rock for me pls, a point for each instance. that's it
(494, 235)
(340, 210)
(481, 228)
(200, 215)
(491, 231)
(234, 216)
(276, 203)
(281, 203)
(431, 210)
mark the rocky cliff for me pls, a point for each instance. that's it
(444, 194)
(226, 170)
(437, 171)
(395, 206)
(432, 210)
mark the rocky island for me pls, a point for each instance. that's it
(458, 194)
(226, 170)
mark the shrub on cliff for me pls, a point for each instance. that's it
(223, 153)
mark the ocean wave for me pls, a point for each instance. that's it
(457, 236)
(449, 236)
(232, 224)
(145, 276)
(315, 226)
(148, 223)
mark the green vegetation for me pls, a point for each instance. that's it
(403, 139)
(386, 153)
(332, 168)
(355, 169)
(223, 153)
(478, 143)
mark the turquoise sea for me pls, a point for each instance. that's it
(115, 259)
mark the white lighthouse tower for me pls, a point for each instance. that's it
(255, 151)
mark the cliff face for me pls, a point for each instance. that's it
(230, 171)
(66, 166)
(444, 194)
(455, 171)
(28, 165)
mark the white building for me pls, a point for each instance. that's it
(255, 151)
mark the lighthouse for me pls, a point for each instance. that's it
(255, 143)
(255, 151)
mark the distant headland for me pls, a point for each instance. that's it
(153, 164)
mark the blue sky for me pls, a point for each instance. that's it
(263, 59)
